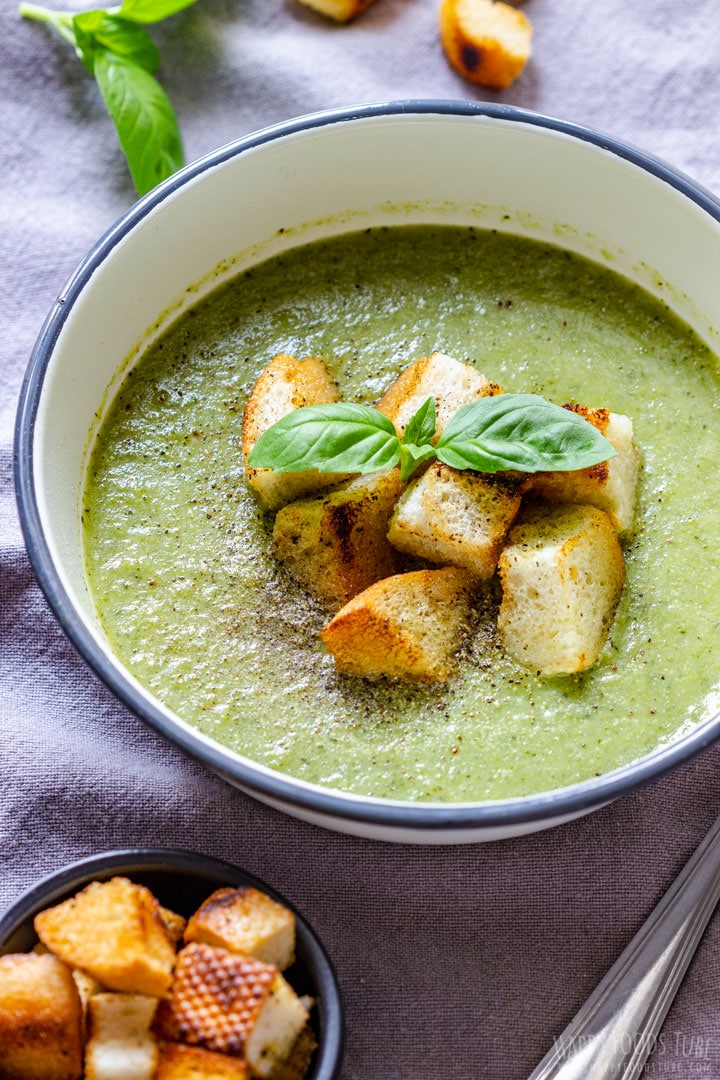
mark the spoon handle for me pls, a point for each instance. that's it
(613, 1034)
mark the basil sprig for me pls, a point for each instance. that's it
(116, 49)
(523, 432)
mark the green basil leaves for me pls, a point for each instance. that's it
(116, 49)
(523, 432)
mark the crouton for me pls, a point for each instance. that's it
(336, 545)
(339, 10)
(233, 1005)
(457, 518)
(406, 627)
(562, 574)
(298, 1063)
(40, 1019)
(487, 43)
(114, 931)
(173, 923)
(284, 385)
(452, 384)
(248, 922)
(178, 1062)
(612, 485)
(120, 1044)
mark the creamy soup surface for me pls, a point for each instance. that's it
(178, 552)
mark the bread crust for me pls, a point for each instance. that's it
(451, 382)
(335, 545)
(40, 1019)
(113, 930)
(562, 574)
(456, 518)
(406, 627)
(487, 43)
(284, 385)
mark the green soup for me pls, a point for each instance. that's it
(192, 601)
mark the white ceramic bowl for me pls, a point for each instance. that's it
(408, 162)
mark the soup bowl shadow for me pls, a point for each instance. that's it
(409, 162)
(181, 881)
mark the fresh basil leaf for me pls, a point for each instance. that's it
(421, 427)
(96, 29)
(143, 116)
(520, 431)
(330, 438)
(150, 11)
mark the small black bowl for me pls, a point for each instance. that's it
(181, 880)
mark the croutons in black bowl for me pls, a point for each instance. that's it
(182, 881)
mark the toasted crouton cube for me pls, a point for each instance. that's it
(284, 385)
(487, 43)
(178, 1062)
(336, 545)
(173, 923)
(246, 921)
(40, 1019)
(233, 1005)
(612, 485)
(457, 518)
(297, 1065)
(339, 10)
(452, 384)
(562, 574)
(114, 931)
(406, 627)
(120, 1044)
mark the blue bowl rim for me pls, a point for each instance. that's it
(277, 787)
(60, 883)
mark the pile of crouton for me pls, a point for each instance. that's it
(120, 988)
(400, 566)
(487, 41)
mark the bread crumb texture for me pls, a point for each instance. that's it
(488, 43)
(334, 546)
(40, 1019)
(611, 485)
(284, 385)
(408, 626)
(457, 518)
(562, 574)
(247, 922)
(451, 382)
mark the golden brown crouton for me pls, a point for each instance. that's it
(611, 485)
(40, 1019)
(178, 1062)
(562, 574)
(114, 931)
(339, 10)
(487, 43)
(233, 1005)
(457, 518)
(297, 1065)
(284, 385)
(452, 384)
(248, 922)
(336, 545)
(120, 1044)
(173, 923)
(407, 627)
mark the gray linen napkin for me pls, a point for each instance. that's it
(455, 963)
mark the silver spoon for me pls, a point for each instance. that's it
(613, 1034)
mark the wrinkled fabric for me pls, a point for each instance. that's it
(456, 963)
